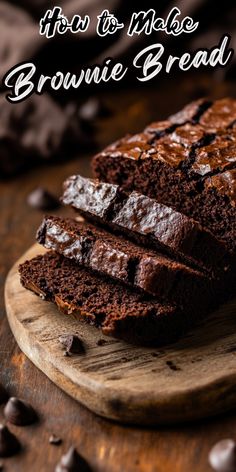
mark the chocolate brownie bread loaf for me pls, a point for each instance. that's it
(181, 163)
(133, 265)
(145, 221)
(116, 309)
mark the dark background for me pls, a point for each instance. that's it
(108, 447)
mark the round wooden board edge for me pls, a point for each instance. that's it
(206, 401)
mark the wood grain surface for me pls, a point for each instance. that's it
(109, 447)
(193, 378)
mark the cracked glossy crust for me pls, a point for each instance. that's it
(184, 162)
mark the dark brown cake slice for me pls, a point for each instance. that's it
(145, 220)
(117, 310)
(172, 166)
(218, 197)
(224, 183)
(119, 258)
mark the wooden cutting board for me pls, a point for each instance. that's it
(191, 379)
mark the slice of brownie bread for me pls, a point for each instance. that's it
(173, 166)
(117, 310)
(119, 258)
(145, 221)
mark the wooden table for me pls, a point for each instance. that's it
(107, 446)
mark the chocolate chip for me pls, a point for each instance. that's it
(19, 413)
(1, 465)
(101, 342)
(55, 440)
(172, 366)
(92, 109)
(222, 456)
(41, 199)
(66, 354)
(72, 461)
(9, 444)
(3, 395)
(72, 343)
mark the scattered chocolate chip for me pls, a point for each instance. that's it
(101, 342)
(172, 366)
(19, 413)
(222, 456)
(9, 444)
(41, 199)
(66, 354)
(124, 359)
(80, 219)
(72, 461)
(55, 440)
(3, 395)
(1, 465)
(72, 343)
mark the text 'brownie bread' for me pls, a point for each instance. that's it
(117, 310)
(145, 220)
(129, 263)
(187, 162)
